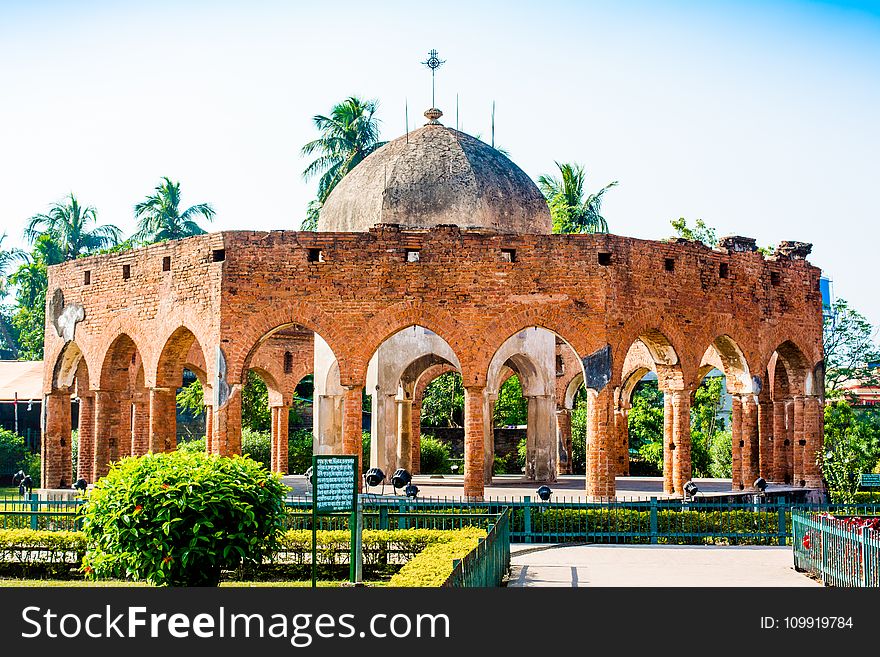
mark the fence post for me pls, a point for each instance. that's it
(35, 507)
(401, 518)
(383, 517)
(781, 529)
(653, 526)
(866, 563)
(822, 535)
(527, 518)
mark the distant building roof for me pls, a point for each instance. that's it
(22, 377)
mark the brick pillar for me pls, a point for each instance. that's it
(474, 428)
(404, 434)
(209, 429)
(280, 420)
(736, 443)
(619, 458)
(563, 439)
(766, 440)
(55, 465)
(668, 440)
(352, 423)
(140, 426)
(780, 443)
(681, 438)
(799, 442)
(227, 424)
(750, 441)
(86, 449)
(789, 437)
(600, 445)
(163, 420)
(106, 429)
(814, 438)
(624, 441)
(416, 434)
(488, 437)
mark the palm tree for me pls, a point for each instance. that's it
(572, 213)
(159, 216)
(348, 135)
(7, 257)
(67, 224)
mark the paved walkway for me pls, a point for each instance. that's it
(654, 565)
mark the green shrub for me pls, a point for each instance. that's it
(300, 447)
(178, 518)
(194, 446)
(508, 464)
(257, 445)
(435, 456)
(35, 554)
(433, 565)
(13, 453)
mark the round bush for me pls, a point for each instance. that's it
(178, 519)
(435, 456)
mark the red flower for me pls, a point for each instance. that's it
(806, 541)
(164, 485)
(138, 508)
(89, 570)
(168, 559)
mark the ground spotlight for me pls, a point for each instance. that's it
(400, 478)
(760, 484)
(308, 474)
(374, 477)
(81, 485)
(544, 493)
(411, 490)
(690, 489)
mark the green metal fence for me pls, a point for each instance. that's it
(660, 521)
(31, 512)
(835, 551)
(488, 563)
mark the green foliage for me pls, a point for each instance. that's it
(160, 218)
(509, 464)
(299, 451)
(348, 135)
(720, 455)
(850, 345)
(255, 413)
(13, 454)
(435, 456)
(178, 518)
(646, 425)
(193, 446)
(66, 225)
(699, 233)
(191, 399)
(257, 445)
(571, 212)
(511, 408)
(365, 450)
(852, 447)
(39, 553)
(579, 432)
(443, 402)
(313, 211)
(433, 565)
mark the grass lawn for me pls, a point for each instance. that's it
(78, 583)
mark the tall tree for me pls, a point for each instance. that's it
(7, 257)
(160, 218)
(68, 224)
(699, 233)
(851, 348)
(571, 211)
(348, 135)
(31, 281)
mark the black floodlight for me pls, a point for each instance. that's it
(760, 484)
(454, 468)
(690, 489)
(411, 490)
(308, 474)
(81, 485)
(400, 478)
(374, 477)
(544, 493)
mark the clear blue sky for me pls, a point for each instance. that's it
(762, 118)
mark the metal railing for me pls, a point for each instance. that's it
(488, 563)
(835, 551)
(31, 512)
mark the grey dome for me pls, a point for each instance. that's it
(436, 175)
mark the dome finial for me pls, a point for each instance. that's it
(433, 62)
(432, 115)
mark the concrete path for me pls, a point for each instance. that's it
(654, 565)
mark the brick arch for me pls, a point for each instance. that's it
(798, 369)
(666, 342)
(121, 354)
(167, 369)
(70, 364)
(259, 325)
(571, 390)
(427, 377)
(397, 318)
(557, 319)
(735, 365)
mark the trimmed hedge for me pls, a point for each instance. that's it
(433, 565)
(40, 553)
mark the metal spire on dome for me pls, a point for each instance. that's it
(433, 62)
